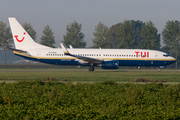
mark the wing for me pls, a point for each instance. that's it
(88, 59)
(85, 59)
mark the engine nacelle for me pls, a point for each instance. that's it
(110, 65)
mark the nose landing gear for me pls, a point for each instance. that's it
(158, 69)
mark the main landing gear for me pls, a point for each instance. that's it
(91, 68)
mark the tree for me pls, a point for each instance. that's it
(112, 36)
(171, 37)
(101, 36)
(48, 38)
(115, 37)
(150, 39)
(28, 27)
(126, 35)
(134, 34)
(5, 38)
(74, 36)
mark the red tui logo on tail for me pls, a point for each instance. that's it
(16, 36)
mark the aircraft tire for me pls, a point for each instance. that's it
(91, 68)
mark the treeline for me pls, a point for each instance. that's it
(129, 34)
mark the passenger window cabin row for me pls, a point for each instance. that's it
(105, 55)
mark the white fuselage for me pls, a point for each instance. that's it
(126, 57)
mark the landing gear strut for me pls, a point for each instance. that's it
(91, 68)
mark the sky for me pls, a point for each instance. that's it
(59, 13)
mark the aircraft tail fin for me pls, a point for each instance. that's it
(22, 39)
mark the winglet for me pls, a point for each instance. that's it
(66, 52)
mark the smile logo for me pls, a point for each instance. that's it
(16, 36)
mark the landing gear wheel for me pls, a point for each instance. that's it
(158, 69)
(91, 68)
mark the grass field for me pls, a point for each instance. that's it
(83, 75)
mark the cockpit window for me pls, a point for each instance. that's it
(166, 55)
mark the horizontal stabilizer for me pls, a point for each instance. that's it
(13, 49)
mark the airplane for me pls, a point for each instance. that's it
(27, 48)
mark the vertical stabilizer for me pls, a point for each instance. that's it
(22, 39)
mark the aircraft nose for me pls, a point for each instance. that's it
(173, 58)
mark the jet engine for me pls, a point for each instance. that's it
(110, 65)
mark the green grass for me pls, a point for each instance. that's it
(83, 75)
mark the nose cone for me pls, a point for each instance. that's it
(170, 60)
(173, 59)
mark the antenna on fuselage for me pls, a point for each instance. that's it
(70, 47)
